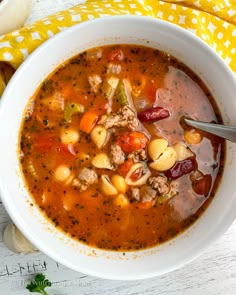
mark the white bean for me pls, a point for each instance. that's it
(119, 182)
(121, 200)
(69, 136)
(62, 173)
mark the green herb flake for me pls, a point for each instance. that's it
(38, 284)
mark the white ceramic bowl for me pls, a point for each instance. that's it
(114, 265)
(13, 14)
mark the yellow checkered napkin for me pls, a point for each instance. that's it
(214, 21)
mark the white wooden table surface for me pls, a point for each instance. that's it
(213, 273)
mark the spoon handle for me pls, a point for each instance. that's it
(227, 132)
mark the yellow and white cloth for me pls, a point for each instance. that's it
(214, 21)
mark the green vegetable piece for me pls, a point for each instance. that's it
(164, 198)
(72, 108)
(39, 284)
(121, 94)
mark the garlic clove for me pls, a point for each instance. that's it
(16, 241)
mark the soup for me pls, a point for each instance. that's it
(105, 154)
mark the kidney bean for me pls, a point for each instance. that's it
(181, 168)
(153, 114)
(202, 186)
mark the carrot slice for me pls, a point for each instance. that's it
(88, 121)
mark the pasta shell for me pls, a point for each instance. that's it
(99, 136)
(107, 187)
(102, 161)
(140, 181)
(156, 147)
(165, 161)
(182, 152)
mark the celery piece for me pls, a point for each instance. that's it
(121, 94)
(72, 108)
(110, 87)
(164, 198)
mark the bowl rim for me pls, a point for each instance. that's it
(20, 71)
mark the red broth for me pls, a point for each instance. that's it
(105, 155)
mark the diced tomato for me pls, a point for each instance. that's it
(116, 55)
(44, 142)
(151, 93)
(66, 148)
(124, 168)
(132, 141)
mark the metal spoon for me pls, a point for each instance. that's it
(227, 132)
